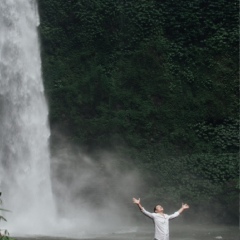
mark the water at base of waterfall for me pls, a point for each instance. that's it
(177, 232)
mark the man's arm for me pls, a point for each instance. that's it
(137, 202)
(177, 213)
(184, 206)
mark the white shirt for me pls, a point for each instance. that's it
(161, 222)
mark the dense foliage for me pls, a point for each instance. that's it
(159, 78)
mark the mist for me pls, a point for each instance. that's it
(94, 193)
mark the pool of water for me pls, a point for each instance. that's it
(177, 232)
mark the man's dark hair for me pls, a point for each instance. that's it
(155, 208)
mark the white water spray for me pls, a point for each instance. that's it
(92, 198)
(24, 131)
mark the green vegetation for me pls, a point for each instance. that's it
(157, 80)
(4, 234)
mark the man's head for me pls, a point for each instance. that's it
(158, 209)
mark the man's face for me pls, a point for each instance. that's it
(159, 209)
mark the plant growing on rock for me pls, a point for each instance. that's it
(4, 234)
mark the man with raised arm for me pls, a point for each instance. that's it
(161, 220)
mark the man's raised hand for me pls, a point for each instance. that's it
(185, 206)
(136, 201)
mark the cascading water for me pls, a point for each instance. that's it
(24, 150)
(24, 131)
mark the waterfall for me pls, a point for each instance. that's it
(24, 131)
